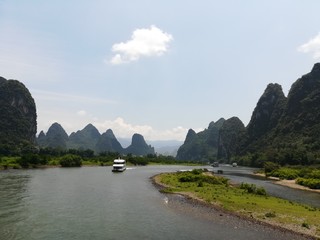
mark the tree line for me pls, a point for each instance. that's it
(76, 158)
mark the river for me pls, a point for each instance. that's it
(244, 174)
(94, 203)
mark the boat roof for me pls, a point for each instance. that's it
(118, 165)
(119, 161)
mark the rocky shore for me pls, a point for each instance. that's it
(188, 203)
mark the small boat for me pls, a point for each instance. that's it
(215, 164)
(119, 165)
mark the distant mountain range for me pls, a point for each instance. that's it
(90, 138)
(282, 129)
(164, 147)
(201, 146)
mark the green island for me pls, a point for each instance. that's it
(244, 200)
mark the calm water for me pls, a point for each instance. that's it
(94, 203)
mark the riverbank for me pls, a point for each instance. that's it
(279, 223)
(288, 183)
(293, 184)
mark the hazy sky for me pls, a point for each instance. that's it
(156, 68)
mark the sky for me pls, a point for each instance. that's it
(157, 68)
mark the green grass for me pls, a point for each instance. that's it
(232, 198)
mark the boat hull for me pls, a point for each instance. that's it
(118, 170)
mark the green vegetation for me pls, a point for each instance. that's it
(270, 167)
(246, 200)
(72, 157)
(202, 146)
(305, 176)
(283, 130)
(309, 182)
(17, 118)
(70, 160)
(9, 162)
(252, 188)
(285, 173)
(31, 159)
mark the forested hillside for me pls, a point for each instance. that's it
(18, 118)
(282, 129)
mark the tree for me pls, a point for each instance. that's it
(270, 167)
(70, 160)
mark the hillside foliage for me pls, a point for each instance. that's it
(18, 116)
(283, 130)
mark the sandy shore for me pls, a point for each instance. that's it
(288, 183)
(196, 206)
(292, 184)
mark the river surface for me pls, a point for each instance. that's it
(244, 174)
(94, 203)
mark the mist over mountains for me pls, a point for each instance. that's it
(164, 147)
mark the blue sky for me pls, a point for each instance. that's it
(156, 68)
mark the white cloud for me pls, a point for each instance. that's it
(123, 129)
(144, 42)
(119, 126)
(312, 46)
(82, 113)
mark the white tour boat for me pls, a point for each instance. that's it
(119, 165)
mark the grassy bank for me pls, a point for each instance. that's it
(245, 200)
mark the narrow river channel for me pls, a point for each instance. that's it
(94, 203)
(244, 174)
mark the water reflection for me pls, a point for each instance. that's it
(13, 194)
(93, 203)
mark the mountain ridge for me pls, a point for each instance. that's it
(90, 138)
(282, 129)
(18, 117)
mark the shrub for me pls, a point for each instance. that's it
(197, 171)
(200, 184)
(252, 188)
(305, 225)
(285, 173)
(315, 174)
(70, 160)
(270, 167)
(270, 214)
(31, 159)
(261, 191)
(195, 176)
(309, 182)
(189, 178)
